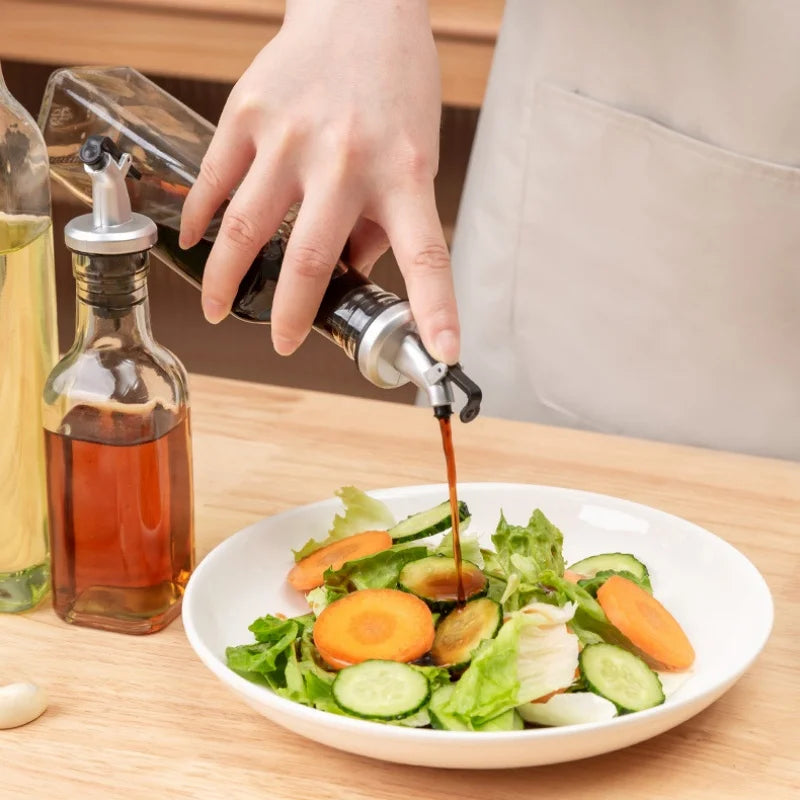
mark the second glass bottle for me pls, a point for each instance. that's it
(117, 437)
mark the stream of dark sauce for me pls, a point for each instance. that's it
(450, 460)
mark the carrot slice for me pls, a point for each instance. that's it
(332, 661)
(572, 577)
(647, 625)
(309, 573)
(374, 623)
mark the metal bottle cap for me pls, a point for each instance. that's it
(112, 228)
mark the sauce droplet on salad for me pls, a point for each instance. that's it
(450, 460)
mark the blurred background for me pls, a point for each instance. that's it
(196, 49)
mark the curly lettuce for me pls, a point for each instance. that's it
(524, 552)
(361, 513)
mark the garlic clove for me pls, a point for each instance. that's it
(21, 703)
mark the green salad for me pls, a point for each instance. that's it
(535, 643)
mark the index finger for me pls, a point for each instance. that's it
(413, 226)
(226, 161)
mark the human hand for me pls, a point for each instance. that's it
(340, 110)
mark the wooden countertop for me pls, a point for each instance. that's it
(217, 39)
(141, 717)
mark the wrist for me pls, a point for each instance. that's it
(359, 9)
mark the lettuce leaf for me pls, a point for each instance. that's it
(589, 623)
(591, 585)
(470, 548)
(271, 629)
(524, 552)
(437, 676)
(361, 513)
(440, 719)
(268, 656)
(378, 571)
(285, 659)
(320, 598)
(493, 570)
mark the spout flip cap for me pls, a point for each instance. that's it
(112, 228)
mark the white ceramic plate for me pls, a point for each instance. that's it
(715, 593)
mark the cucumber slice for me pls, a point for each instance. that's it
(593, 584)
(382, 690)
(463, 629)
(426, 523)
(620, 677)
(613, 562)
(434, 580)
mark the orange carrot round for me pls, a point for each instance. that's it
(646, 624)
(374, 623)
(332, 661)
(309, 573)
(572, 577)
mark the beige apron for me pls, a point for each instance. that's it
(627, 253)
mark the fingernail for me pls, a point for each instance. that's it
(284, 346)
(446, 345)
(214, 311)
(186, 238)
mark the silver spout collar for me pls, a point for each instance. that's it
(112, 228)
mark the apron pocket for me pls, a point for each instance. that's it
(657, 281)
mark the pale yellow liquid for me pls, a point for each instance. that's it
(27, 354)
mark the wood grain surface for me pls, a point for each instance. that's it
(141, 717)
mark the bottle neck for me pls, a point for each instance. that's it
(112, 308)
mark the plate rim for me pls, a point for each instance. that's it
(260, 694)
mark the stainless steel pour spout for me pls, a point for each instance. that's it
(389, 353)
(112, 228)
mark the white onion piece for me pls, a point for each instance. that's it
(569, 709)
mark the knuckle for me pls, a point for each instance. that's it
(352, 146)
(240, 229)
(290, 135)
(432, 257)
(246, 103)
(348, 144)
(210, 172)
(311, 261)
(418, 163)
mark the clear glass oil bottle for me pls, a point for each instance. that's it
(119, 467)
(117, 434)
(27, 353)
